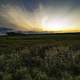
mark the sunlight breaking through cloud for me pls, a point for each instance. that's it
(41, 19)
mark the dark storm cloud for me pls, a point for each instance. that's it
(28, 4)
(33, 4)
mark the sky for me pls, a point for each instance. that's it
(40, 15)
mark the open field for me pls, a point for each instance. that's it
(40, 57)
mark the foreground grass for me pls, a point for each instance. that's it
(51, 58)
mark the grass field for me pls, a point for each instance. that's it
(40, 57)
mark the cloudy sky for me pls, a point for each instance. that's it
(40, 15)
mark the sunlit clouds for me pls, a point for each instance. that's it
(41, 19)
(20, 18)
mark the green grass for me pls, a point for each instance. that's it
(40, 57)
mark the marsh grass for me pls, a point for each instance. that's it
(23, 59)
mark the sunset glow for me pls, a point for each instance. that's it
(43, 18)
(55, 24)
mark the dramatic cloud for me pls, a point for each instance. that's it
(41, 16)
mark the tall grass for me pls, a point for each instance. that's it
(55, 60)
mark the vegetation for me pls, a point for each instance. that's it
(30, 58)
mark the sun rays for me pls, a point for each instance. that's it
(42, 19)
